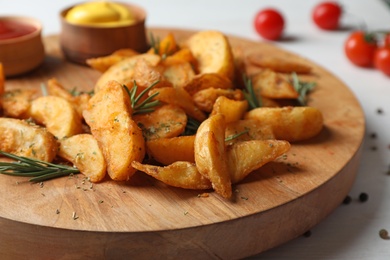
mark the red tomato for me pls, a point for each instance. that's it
(326, 15)
(269, 23)
(387, 40)
(360, 49)
(382, 60)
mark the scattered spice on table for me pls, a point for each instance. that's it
(384, 234)
(373, 135)
(307, 233)
(363, 197)
(379, 111)
(347, 200)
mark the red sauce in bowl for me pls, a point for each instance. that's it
(12, 29)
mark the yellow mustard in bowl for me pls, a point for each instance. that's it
(100, 13)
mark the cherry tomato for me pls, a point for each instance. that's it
(269, 23)
(326, 15)
(382, 60)
(360, 49)
(387, 40)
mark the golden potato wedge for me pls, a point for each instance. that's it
(17, 102)
(290, 123)
(103, 63)
(25, 139)
(210, 155)
(233, 110)
(179, 74)
(208, 80)
(145, 74)
(55, 88)
(164, 122)
(57, 114)
(178, 174)
(179, 97)
(123, 71)
(247, 129)
(205, 98)
(272, 85)
(247, 156)
(183, 55)
(213, 52)
(277, 64)
(167, 46)
(83, 151)
(170, 150)
(109, 116)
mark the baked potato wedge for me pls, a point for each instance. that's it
(83, 151)
(123, 71)
(247, 156)
(2, 84)
(208, 80)
(233, 110)
(270, 84)
(179, 97)
(164, 122)
(16, 102)
(247, 129)
(289, 123)
(210, 155)
(103, 63)
(206, 98)
(178, 174)
(213, 53)
(57, 114)
(109, 116)
(277, 64)
(25, 139)
(170, 150)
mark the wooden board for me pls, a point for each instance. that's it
(143, 218)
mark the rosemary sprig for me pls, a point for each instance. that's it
(231, 137)
(303, 88)
(191, 126)
(145, 106)
(37, 170)
(156, 46)
(249, 93)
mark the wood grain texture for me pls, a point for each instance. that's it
(143, 218)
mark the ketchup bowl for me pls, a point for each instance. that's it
(80, 42)
(21, 47)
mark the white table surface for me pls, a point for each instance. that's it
(351, 231)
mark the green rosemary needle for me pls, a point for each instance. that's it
(145, 106)
(37, 170)
(231, 137)
(303, 88)
(249, 93)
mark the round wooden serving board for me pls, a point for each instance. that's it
(69, 218)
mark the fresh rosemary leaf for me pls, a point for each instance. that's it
(249, 93)
(36, 169)
(231, 137)
(191, 126)
(145, 106)
(303, 88)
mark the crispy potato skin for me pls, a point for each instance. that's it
(123, 71)
(290, 123)
(17, 102)
(233, 110)
(270, 84)
(246, 156)
(57, 114)
(279, 64)
(109, 116)
(170, 150)
(102, 64)
(83, 151)
(24, 139)
(213, 53)
(164, 122)
(178, 174)
(210, 156)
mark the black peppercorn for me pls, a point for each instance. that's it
(363, 197)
